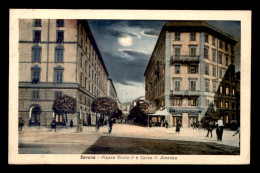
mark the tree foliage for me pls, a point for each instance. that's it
(139, 113)
(64, 105)
(104, 106)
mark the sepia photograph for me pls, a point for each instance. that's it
(108, 87)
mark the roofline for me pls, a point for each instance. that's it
(92, 40)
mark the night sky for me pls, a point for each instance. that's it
(126, 47)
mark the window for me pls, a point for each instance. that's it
(220, 89)
(35, 94)
(36, 54)
(206, 38)
(193, 69)
(233, 91)
(193, 84)
(58, 74)
(232, 50)
(193, 36)
(81, 79)
(177, 85)
(220, 58)
(233, 105)
(207, 85)
(214, 70)
(206, 69)
(81, 60)
(221, 104)
(60, 36)
(57, 94)
(220, 44)
(35, 74)
(226, 105)
(177, 51)
(206, 53)
(89, 70)
(214, 86)
(177, 102)
(60, 23)
(220, 73)
(36, 36)
(177, 69)
(37, 23)
(177, 36)
(193, 102)
(213, 41)
(226, 60)
(59, 54)
(86, 81)
(193, 51)
(213, 55)
(227, 90)
(226, 47)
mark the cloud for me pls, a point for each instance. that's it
(123, 69)
(127, 93)
(134, 53)
(151, 33)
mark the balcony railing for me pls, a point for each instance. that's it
(184, 58)
(185, 92)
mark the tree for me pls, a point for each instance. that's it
(104, 106)
(139, 113)
(64, 105)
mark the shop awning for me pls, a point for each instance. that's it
(212, 115)
(185, 110)
(160, 113)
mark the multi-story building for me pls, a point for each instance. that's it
(186, 68)
(126, 108)
(111, 92)
(58, 57)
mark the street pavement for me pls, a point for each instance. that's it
(34, 140)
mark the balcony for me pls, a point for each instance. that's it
(184, 58)
(184, 93)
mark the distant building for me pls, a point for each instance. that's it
(126, 108)
(111, 92)
(186, 69)
(139, 100)
(58, 57)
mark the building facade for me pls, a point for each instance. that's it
(186, 69)
(111, 92)
(58, 57)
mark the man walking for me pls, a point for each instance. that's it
(110, 125)
(53, 125)
(20, 123)
(210, 128)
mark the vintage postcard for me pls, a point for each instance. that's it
(129, 87)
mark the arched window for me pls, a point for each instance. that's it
(35, 74)
(36, 53)
(59, 54)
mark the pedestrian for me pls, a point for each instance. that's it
(166, 124)
(53, 125)
(97, 126)
(71, 123)
(21, 123)
(178, 126)
(110, 125)
(210, 128)
(219, 129)
(237, 132)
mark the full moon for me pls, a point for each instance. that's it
(126, 41)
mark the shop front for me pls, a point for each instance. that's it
(158, 118)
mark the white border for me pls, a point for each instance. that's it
(243, 16)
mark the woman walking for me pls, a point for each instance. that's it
(178, 127)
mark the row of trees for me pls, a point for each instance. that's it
(105, 106)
